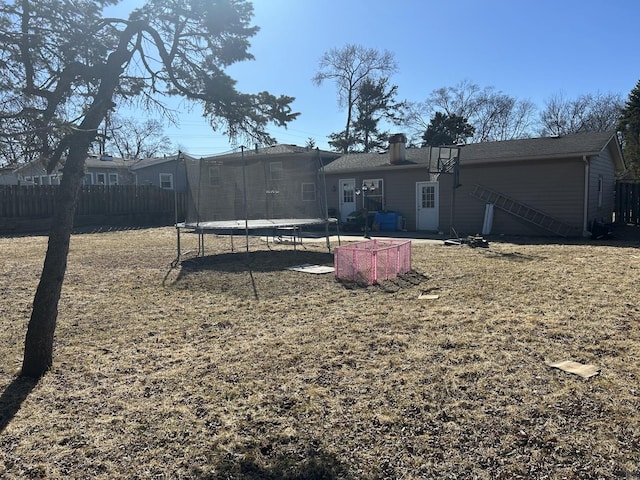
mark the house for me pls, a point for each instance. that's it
(275, 182)
(35, 173)
(8, 176)
(273, 153)
(536, 186)
(169, 172)
(165, 172)
(99, 170)
(108, 170)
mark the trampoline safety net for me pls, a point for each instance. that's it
(285, 188)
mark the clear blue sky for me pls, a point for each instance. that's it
(528, 49)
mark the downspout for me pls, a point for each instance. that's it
(585, 208)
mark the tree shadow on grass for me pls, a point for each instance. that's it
(260, 261)
(12, 397)
(318, 465)
(241, 265)
(623, 236)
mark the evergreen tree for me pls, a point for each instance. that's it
(65, 67)
(446, 130)
(629, 125)
(341, 143)
(375, 102)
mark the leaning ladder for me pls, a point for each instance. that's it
(517, 209)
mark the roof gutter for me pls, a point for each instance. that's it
(379, 168)
(556, 156)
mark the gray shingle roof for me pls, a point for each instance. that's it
(111, 162)
(278, 149)
(575, 145)
(369, 161)
(148, 162)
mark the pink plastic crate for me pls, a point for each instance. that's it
(372, 261)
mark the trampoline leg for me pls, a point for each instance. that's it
(326, 236)
(201, 244)
(179, 248)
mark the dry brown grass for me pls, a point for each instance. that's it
(223, 369)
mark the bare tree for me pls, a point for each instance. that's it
(561, 116)
(464, 100)
(605, 111)
(15, 144)
(136, 140)
(501, 117)
(586, 113)
(348, 67)
(493, 115)
(65, 66)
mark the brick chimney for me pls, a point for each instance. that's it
(397, 145)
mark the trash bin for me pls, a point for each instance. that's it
(388, 221)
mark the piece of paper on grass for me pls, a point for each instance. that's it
(428, 296)
(308, 268)
(585, 371)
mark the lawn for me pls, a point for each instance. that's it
(230, 367)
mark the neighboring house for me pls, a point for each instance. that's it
(169, 172)
(165, 172)
(35, 173)
(286, 151)
(108, 170)
(99, 170)
(537, 186)
(8, 176)
(279, 181)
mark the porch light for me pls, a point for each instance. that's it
(366, 188)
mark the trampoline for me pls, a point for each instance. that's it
(255, 191)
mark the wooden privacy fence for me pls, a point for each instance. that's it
(122, 204)
(628, 203)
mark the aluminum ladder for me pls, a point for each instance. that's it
(517, 209)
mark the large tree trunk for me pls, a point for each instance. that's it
(38, 351)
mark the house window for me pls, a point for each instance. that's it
(428, 199)
(214, 176)
(166, 181)
(275, 171)
(374, 194)
(113, 179)
(101, 178)
(348, 193)
(88, 179)
(308, 192)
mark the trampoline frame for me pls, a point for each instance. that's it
(231, 226)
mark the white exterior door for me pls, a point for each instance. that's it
(347, 198)
(427, 207)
